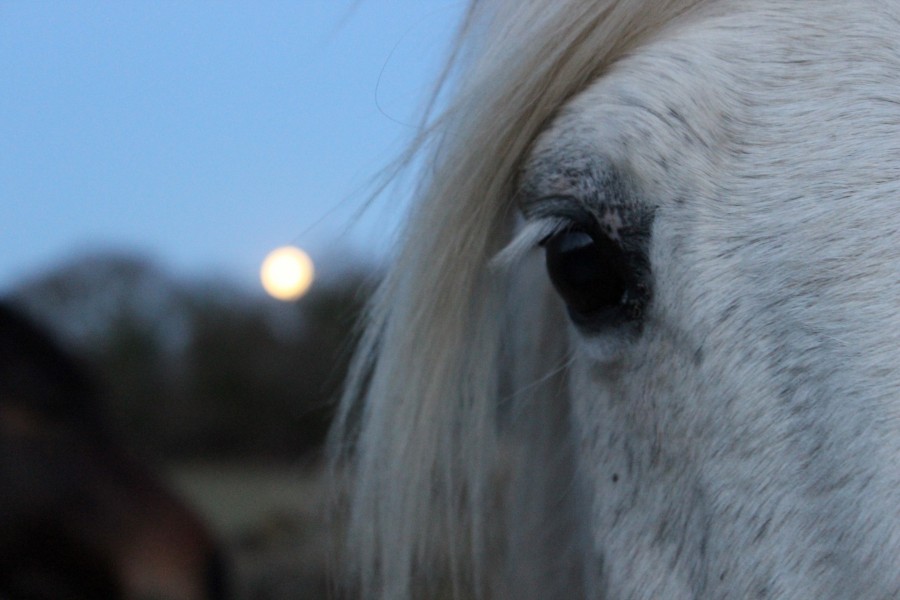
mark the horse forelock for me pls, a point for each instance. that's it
(717, 142)
(427, 375)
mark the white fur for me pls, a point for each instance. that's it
(746, 443)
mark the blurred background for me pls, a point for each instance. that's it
(151, 155)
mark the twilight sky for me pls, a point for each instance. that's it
(203, 134)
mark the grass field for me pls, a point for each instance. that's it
(272, 521)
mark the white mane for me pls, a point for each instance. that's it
(456, 430)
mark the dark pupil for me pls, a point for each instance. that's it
(587, 271)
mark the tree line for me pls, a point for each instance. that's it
(203, 370)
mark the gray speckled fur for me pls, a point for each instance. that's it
(745, 441)
(743, 445)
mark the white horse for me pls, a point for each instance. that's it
(680, 378)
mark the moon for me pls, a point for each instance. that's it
(287, 273)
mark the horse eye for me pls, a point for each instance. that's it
(594, 277)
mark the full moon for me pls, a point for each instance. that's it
(287, 273)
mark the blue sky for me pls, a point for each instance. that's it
(204, 134)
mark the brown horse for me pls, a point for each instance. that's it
(79, 517)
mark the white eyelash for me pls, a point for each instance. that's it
(530, 236)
